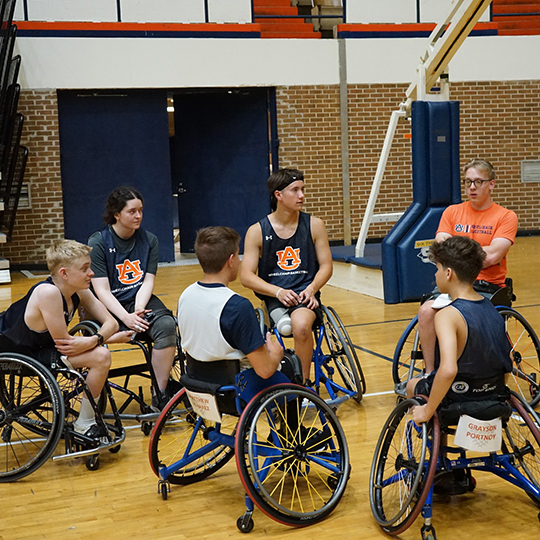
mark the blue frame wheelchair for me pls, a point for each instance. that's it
(335, 363)
(38, 407)
(291, 451)
(409, 458)
(525, 378)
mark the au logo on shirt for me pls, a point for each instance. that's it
(289, 258)
(129, 272)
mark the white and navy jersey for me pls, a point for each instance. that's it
(215, 323)
(289, 263)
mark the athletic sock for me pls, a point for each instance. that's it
(87, 417)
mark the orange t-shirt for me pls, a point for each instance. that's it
(482, 226)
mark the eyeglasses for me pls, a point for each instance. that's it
(476, 183)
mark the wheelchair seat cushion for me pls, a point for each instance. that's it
(196, 385)
(449, 413)
(208, 377)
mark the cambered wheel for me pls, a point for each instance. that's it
(292, 455)
(521, 437)
(408, 361)
(341, 357)
(351, 347)
(525, 377)
(403, 468)
(179, 432)
(31, 416)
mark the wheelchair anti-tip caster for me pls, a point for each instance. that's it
(92, 462)
(428, 532)
(146, 428)
(245, 523)
(164, 488)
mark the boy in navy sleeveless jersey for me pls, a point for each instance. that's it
(472, 352)
(287, 259)
(216, 324)
(36, 325)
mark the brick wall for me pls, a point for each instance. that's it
(499, 121)
(37, 227)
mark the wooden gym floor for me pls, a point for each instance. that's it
(63, 500)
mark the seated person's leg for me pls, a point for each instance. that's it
(98, 362)
(420, 385)
(279, 317)
(302, 323)
(163, 334)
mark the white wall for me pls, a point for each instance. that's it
(160, 62)
(400, 11)
(167, 11)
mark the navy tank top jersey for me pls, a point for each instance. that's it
(487, 349)
(289, 263)
(126, 271)
(14, 328)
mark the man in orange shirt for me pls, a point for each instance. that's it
(479, 218)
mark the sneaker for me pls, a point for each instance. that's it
(99, 434)
(159, 400)
(453, 483)
(314, 439)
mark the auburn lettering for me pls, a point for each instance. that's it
(129, 272)
(289, 258)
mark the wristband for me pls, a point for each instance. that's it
(277, 294)
(100, 339)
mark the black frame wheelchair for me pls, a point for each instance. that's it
(525, 378)
(127, 395)
(291, 451)
(38, 407)
(335, 363)
(409, 458)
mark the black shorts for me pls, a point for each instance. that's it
(44, 355)
(274, 303)
(424, 385)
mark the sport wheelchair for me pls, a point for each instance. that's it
(409, 459)
(38, 407)
(335, 362)
(133, 404)
(291, 451)
(525, 379)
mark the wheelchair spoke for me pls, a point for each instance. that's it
(290, 454)
(180, 441)
(31, 416)
(525, 379)
(402, 469)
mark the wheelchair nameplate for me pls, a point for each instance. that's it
(204, 405)
(479, 435)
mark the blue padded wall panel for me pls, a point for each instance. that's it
(389, 251)
(436, 185)
(415, 271)
(435, 152)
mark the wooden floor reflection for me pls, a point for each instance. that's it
(120, 500)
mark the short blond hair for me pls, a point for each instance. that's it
(64, 253)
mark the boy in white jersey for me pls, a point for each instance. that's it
(215, 323)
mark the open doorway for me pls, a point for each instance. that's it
(223, 146)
